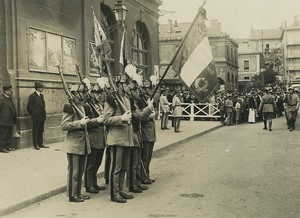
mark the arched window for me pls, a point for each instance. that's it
(140, 47)
(108, 20)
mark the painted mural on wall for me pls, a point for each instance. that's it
(45, 49)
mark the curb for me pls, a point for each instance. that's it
(18, 205)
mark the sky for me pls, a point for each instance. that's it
(236, 16)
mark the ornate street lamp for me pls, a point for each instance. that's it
(120, 11)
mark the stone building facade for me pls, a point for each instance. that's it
(34, 33)
(250, 62)
(224, 50)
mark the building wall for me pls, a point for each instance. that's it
(291, 42)
(261, 44)
(59, 19)
(253, 66)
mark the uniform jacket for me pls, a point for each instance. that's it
(36, 107)
(292, 102)
(138, 116)
(118, 132)
(229, 105)
(267, 103)
(8, 115)
(163, 103)
(76, 140)
(96, 130)
(176, 104)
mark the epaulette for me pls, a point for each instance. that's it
(111, 101)
(68, 109)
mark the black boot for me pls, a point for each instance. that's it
(270, 125)
(265, 125)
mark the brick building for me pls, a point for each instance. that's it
(33, 32)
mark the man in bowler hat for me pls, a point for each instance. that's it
(36, 109)
(8, 118)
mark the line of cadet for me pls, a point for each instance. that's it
(127, 138)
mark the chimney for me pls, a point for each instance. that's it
(214, 25)
(285, 24)
(219, 27)
(175, 23)
(170, 26)
(296, 20)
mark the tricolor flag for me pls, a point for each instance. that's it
(102, 44)
(194, 61)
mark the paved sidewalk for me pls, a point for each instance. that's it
(29, 176)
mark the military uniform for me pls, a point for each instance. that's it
(267, 107)
(134, 172)
(96, 132)
(292, 106)
(120, 140)
(77, 147)
(164, 107)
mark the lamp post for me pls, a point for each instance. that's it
(120, 11)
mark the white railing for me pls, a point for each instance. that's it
(199, 110)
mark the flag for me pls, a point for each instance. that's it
(125, 55)
(194, 61)
(101, 40)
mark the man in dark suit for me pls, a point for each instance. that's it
(8, 117)
(36, 108)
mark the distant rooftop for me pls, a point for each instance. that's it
(176, 31)
(243, 49)
(266, 34)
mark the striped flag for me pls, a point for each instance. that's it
(194, 62)
(102, 44)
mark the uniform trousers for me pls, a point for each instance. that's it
(134, 170)
(164, 120)
(6, 138)
(37, 132)
(147, 151)
(118, 167)
(76, 165)
(176, 123)
(93, 163)
(107, 165)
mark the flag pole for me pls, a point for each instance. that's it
(177, 52)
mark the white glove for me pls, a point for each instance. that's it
(150, 103)
(126, 117)
(84, 121)
(152, 115)
(100, 119)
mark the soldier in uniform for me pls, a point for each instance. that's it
(164, 106)
(267, 107)
(149, 138)
(119, 138)
(139, 113)
(292, 106)
(97, 142)
(77, 144)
